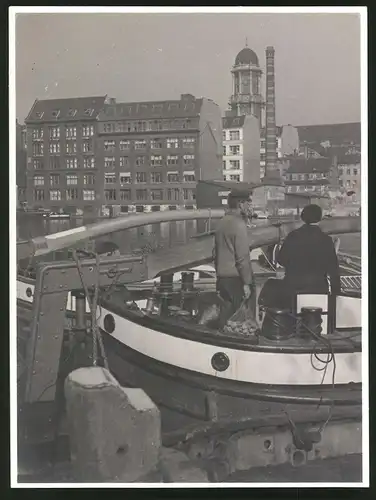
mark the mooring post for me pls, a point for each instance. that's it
(115, 432)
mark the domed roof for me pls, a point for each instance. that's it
(247, 56)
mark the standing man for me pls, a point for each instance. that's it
(309, 257)
(232, 256)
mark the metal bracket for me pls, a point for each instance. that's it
(53, 282)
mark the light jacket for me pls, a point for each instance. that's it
(231, 250)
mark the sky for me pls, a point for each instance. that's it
(144, 57)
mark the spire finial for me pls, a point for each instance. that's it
(246, 41)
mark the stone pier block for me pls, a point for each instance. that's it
(115, 432)
(177, 467)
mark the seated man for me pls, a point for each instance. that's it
(309, 257)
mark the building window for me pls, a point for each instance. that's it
(156, 194)
(156, 177)
(141, 194)
(109, 162)
(38, 180)
(140, 160)
(172, 177)
(71, 132)
(139, 144)
(110, 194)
(294, 177)
(156, 144)
(87, 146)
(71, 162)
(188, 159)
(224, 152)
(54, 162)
(38, 195)
(37, 133)
(109, 145)
(140, 177)
(224, 165)
(55, 194)
(72, 112)
(234, 164)
(71, 194)
(355, 171)
(173, 143)
(234, 150)
(88, 112)
(125, 194)
(189, 177)
(72, 180)
(234, 135)
(173, 194)
(55, 148)
(89, 179)
(87, 130)
(56, 113)
(89, 163)
(348, 171)
(302, 177)
(123, 145)
(109, 178)
(88, 194)
(235, 178)
(262, 156)
(172, 160)
(189, 142)
(71, 148)
(38, 149)
(156, 161)
(341, 182)
(54, 179)
(263, 144)
(123, 161)
(188, 194)
(38, 164)
(54, 132)
(224, 135)
(125, 178)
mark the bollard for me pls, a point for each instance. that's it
(115, 432)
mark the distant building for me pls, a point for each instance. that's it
(350, 175)
(287, 144)
(241, 151)
(21, 162)
(311, 175)
(62, 171)
(297, 201)
(153, 153)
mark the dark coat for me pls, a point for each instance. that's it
(309, 258)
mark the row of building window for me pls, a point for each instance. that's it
(155, 160)
(171, 194)
(147, 126)
(349, 183)
(55, 163)
(348, 171)
(70, 132)
(155, 178)
(234, 135)
(303, 177)
(231, 165)
(170, 143)
(235, 178)
(232, 150)
(54, 147)
(70, 194)
(297, 189)
(55, 179)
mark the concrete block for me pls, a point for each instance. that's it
(176, 467)
(115, 432)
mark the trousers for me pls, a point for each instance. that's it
(231, 292)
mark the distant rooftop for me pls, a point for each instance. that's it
(336, 133)
(233, 121)
(62, 110)
(311, 165)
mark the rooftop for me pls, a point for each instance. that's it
(278, 132)
(63, 110)
(308, 195)
(233, 121)
(247, 56)
(349, 159)
(336, 134)
(187, 107)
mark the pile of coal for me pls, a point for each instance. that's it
(244, 328)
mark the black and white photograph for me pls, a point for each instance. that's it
(188, 247)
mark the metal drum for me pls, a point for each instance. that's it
(278, 324)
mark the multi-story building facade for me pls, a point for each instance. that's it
(153, 153)
(349, 175)
(241, 152)
(21, 163)
(62, 170)
(312, 175)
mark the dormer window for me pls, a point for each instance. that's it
(72, 112)
(56, 113)
(39, 114)
(88, 112)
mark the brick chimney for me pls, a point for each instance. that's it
(270, 126)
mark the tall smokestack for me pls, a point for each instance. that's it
(270, 126)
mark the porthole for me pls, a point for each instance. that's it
(29, 292)
(220, 362)
(109, 323)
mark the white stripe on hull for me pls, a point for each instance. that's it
(245, 366)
